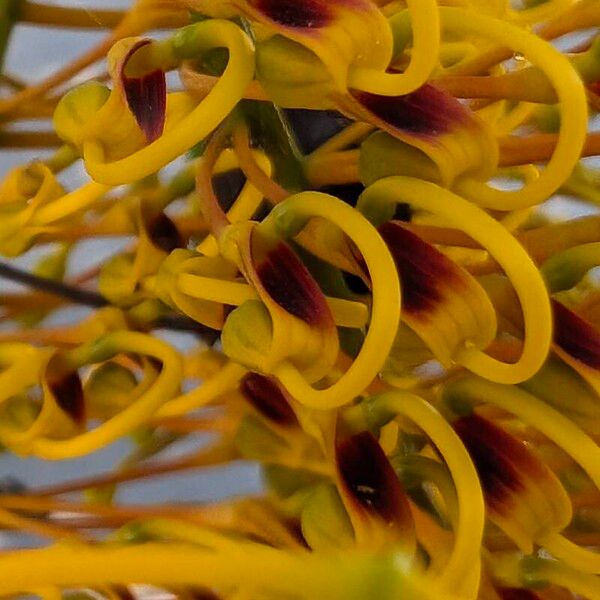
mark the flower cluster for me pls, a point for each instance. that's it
(347, 204)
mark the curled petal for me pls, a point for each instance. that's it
(180, 261)
(431, 121)
(575, 336)
(442, 302)
(340, 33)
(34, 183)
(123, 119)
(523, 496)
(146, 95)
(577, 342)
(301, 325)
(268, 398)
(378, 507)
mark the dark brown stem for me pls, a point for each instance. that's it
(96, 300)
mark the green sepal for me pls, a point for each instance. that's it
(325, 523)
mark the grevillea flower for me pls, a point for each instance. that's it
(431, 133)
(290, 321)
(123, 119)
(304, 130)
(442, 302)
(121, 280)
(577, 342)
(62, 412)
(339, 35)
(118, 131)
(523, 496)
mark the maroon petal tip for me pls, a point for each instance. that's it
(146, 97)
(307, 14)
(68, 392)
(164, 233)
(424, 271)
(576, 336)
(427, 112)
(289, 283)
(503, 463)
(370, 479)
(517, 594)
(265, 395)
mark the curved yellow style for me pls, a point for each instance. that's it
(219, 102)
(425, 20)
(461, 574)
(288, 218)
(162, 389)
(511, 256)
(571, 94)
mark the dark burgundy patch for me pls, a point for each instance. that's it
(423, 269)
(502, 461)
(123, 592)
(290, 285)
(369, 477)
(164, 233)
(146, 97)
(266, 396)
(517, 594)
(594, 88)
(68, 391)
(203, 594)
(299, 14)
(576, 336)
(427, 112)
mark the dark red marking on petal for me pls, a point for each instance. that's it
(289, 283)
(594, 87)
(164, 233)
(423, 269)
(266, 396)
(517, 594)
(299, 14)
(576, 336)
(367, 474)
(427, 112)
(68, 391)
(503, 463)
(146, 97)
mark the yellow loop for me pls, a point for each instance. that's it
(558, 428)
(133, 416)
(220, 101)
(518, 266)
(572, 98)
(386, 303)
(463, 566)
(424, 57)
